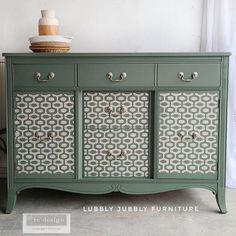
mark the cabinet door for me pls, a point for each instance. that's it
(188, 134)
(116, 134)
(44, 134)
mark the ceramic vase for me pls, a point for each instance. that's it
(48, 24)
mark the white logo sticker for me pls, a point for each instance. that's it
(41, 223)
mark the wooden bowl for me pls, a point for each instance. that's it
(49, 49)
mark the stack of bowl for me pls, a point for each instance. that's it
(49, 39)
(50, 43)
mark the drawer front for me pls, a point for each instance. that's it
(189, 75)
(188, 135)
(44, 134)
(116, 109)
(111, 153)
(57, 75)
(135, 75)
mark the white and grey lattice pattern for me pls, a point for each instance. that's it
(188, 112)
(97, 143)
(44, 113)
(116, 132)
(135, 103)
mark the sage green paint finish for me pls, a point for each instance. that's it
(77, 183)
(45, 176)
(124, 187)
(220, 194)
(94, 75)
(208, 75)
(117, 55)
(24, 75)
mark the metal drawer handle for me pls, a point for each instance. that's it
(122, 76)
(50, 136)
(50, 76)
(121, 156)
(194, 75)
(121, 110)
(194, 135)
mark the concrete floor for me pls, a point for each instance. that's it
(205, 221)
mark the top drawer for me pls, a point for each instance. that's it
(189, 75)
(116, 75)
(56, 75)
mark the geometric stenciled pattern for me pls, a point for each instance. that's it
(135, 103)
(189, 113)
(39, 115)
(115, 132)
(98, 142)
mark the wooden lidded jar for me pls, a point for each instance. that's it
(48, 24)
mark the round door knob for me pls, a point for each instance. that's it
(109, 75)
(194, 75)
(123, 75)
(109, 109)
(180, 134)
(122, 110)
(109, 152)
(195, 135)
(122, 155)
(51, 75)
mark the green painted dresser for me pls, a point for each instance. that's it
(136, 123)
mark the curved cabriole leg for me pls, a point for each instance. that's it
(11, 200)
(220, 198)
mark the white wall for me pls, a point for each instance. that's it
(107, 25)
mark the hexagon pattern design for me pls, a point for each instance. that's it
(96, 104)
(36, 116)
(97, 162)
(188, 132)
(116, 144)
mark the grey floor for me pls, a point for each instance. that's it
(204, 220)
